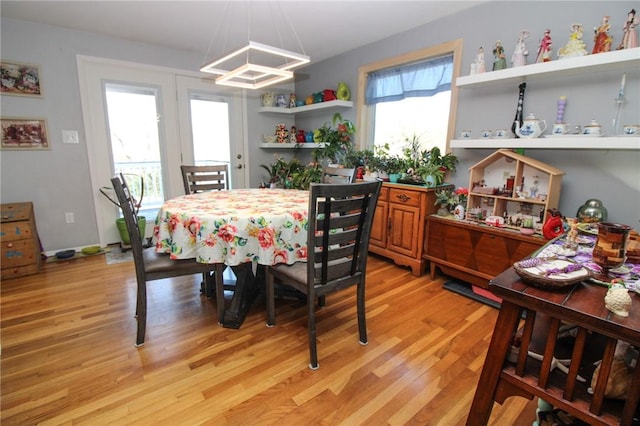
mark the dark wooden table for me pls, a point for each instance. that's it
(581, 304)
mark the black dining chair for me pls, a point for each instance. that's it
(340, 218)
(338, 175)
(205, 178)
(151, 266)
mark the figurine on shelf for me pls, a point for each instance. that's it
(519, 56)
(602, 38)
(575, 46)
(499, 60)
(544, 51)
(293, 135)
(477, 66)
(629, 36)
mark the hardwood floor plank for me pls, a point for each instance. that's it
(68, 356)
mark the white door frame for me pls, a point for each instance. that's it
(92, 73)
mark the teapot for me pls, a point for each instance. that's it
(531, 127)
(268, 99)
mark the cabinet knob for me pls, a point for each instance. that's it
(403, 197)
(10, 245)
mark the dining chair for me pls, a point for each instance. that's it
(151, 266)
(202, 179)
(340, 218)
(205, 178)
(338, 175)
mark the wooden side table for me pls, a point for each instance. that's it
(582, 305)
(19, 240)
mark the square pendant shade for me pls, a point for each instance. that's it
(255, 66)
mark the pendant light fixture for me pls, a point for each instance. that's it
(255, 65)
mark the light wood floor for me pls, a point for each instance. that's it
(68, 355)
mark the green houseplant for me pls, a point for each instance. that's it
(337, 139)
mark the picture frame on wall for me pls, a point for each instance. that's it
(20, 79)
(24, 134)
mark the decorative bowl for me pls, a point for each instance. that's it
(90, 250)
(65, 254)
(551, 273)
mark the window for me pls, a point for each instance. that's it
(396, 105)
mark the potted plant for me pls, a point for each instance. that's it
(337, 141)
(137, 194)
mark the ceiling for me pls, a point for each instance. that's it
(320, 29)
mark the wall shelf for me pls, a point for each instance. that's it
(577, 142)
(618, 59)
(337, 104)
(306, 145)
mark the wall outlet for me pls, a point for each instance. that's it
(69, 217)
(70, 136)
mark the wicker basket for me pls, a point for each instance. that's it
(535, 272)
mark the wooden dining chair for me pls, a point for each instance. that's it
(338, 175)
(340, 217)
(151, 266)
(205, 178)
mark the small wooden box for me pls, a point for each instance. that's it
(19, 240)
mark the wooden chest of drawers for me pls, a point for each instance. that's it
(19, 240)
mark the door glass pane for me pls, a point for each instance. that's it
(210, 130)
(132, 114)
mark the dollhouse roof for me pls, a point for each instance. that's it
(501, 153)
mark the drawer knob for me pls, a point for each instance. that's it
(10, 245)
(403, 197)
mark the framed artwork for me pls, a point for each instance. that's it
(24, 134)
(20, 79)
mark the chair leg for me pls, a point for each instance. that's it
(219, 286)
(311, 318)
(362, 320)
(207, 285)
(270, 296)
(141, 312)
(321, 302)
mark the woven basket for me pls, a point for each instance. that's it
(532, 272)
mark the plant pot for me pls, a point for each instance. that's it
(122, 229)
(393, 177)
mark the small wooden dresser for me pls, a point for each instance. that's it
(19, 239)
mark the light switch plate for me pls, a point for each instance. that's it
(70, 136)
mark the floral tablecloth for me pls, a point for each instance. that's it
(266, 226)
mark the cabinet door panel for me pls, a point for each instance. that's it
(380, 224)
(405, 222)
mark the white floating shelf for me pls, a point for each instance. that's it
(306, 145)
(624, 60)
(587, 142)
(308, 108)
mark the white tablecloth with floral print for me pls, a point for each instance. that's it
(266, 226)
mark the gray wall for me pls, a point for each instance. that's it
(610, 175)
(57, 181)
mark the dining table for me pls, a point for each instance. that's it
(240, 228)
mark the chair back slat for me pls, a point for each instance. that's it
(205, 178)
(337, 175)
(339, 231)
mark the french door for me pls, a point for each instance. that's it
(147, 121)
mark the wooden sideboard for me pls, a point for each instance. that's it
(399, 224)
(474, 253)
(19, 239)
